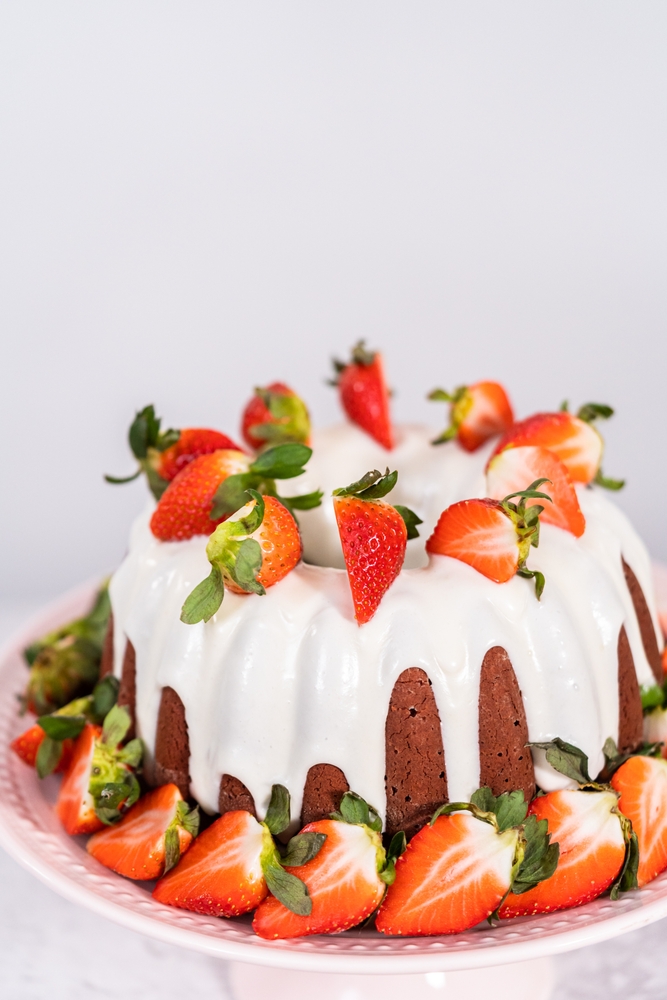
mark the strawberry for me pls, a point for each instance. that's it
(184, 508)
(100, 781)
(252, 550)
(457, 869)
(573, 440)
(477, 412)
(161, 455)
(231, 865)
(346, 880)
(655, 728)
(514, 468)
(275, 415)
(364, 394)
(597, 845)
(641, 783)
(150, 838)
(26, 746)
(492, 536)
(373, 535)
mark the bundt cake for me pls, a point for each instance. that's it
(439, 688)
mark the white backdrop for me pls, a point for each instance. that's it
(200, 197)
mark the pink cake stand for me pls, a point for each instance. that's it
(512, 959)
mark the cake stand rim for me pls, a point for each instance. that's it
(29, 846)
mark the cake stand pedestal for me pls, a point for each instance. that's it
(533, 979)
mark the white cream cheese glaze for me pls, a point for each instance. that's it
(274, 684)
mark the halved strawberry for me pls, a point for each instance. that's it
(252, 550)
(230, 866)
(344, 880)
(590, 833)
(573, 440)
(99, 783)
(374, 536)
(641, 783)
(458, 868)
(494, 537)
(515, 468)
(477, 412)
(364, 394)
(26, 746)
(161, 455)
(150, 838)
(275, 415)
(184, 509)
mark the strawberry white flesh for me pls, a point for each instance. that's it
(516, 468)
(576, 443)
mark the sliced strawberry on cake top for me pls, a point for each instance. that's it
(493, 536)
(477, 412)
(364, 394)
(515, 468)
(374, 536)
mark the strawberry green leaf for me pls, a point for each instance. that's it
(509, 808)
(565, 406)
(360, 356)
(116, 726)
(396, 847)
(204, 600)
(540, 857)
(48, 757)
(62, 727)
(410, 518)
(278, 814)
(306, 501)
(653, 697)
(532, 493)
(247, 565)
(627, 877)
(566, 759)
(606, 483)
(115, 797)
(594, 411)
(533, 574)
(172, 848)
(120, 480)
(105, 696)
(373, 486)
(302, 848)
(231, 494)
(285, 461)
(354, 809)
(188, 818)
(132, 753)
(289, 889)
(613, 758)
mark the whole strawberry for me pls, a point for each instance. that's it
(184, 509)
(477, 412)
(364, 394)
(161, 455)
(252, 550)
(374, 536)
(275, 415)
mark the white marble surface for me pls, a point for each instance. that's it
(51, 949)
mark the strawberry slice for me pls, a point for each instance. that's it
(345, 880)
(477, 412)
(151, 837)
(374, 536)
(275, 415)
(99, 783)
(590, 833)
(26, 746)
(573, 440)
(597, 843)
(184, 509)
(161, 455)
(254, 549)
(231, 865)
(364, 394)
(494, 537)
(641, 783)
(458, 868)
(514, 468)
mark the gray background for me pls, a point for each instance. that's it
(199, 197)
